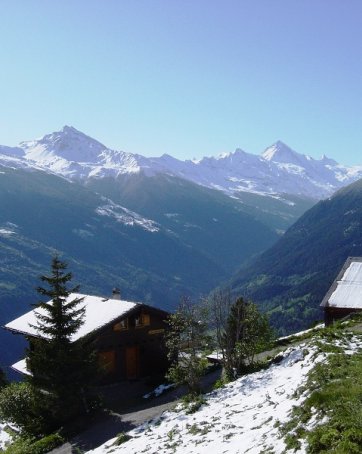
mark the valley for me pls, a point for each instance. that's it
(160, 228)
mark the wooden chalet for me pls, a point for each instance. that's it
(345, 294)
(128, 337)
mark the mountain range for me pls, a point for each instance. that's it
(158, 228)
(278, 170)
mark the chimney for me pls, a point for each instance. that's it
(116, 294)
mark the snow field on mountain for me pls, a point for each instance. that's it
(6, 232)
(279, 170)
(125, 216)
(242, 417)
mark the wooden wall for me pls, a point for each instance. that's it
(332, 314)
(134, 351)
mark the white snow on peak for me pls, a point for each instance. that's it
(328, 161)
(13, 160)
(16, 152)
(69, 144)
(279, 170)
(280, 152)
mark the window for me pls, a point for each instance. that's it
(146, 319)
(142, 320)
(122, 325)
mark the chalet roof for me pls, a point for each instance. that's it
(98, 313)
(346, 290)
(20, 366)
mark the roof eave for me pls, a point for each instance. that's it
(333, 287)
(24, 333)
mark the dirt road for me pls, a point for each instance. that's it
(110, 424)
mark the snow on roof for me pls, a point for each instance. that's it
(346, 291)
(20, 366)
(98, 313)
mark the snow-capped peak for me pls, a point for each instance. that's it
(236, 155)
(70, 130)
(225, 159)
(68, 143)
(328, 161)
(279, 170)
(280, 152)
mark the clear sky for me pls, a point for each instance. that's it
(185, 77)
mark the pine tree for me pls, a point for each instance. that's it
(62, 370)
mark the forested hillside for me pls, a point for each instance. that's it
(290, 279)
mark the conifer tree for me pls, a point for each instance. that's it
(62, 370)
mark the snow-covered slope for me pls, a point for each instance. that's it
(74, 155)
(242, 417)
(278, 170)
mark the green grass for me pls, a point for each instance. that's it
(122, 437)
(193, 402)
(335, 398)
(30, 446)
(339, 397)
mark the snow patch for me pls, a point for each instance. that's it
(83, 233)
(126, 217)
(5, 438)
(8, 229)
(6, 233)
(159, 390)
(301, 333)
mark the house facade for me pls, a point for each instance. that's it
(133, 346)
(128, 337)
(344, 297)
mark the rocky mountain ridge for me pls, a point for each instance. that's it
(279, 170)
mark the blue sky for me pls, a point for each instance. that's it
(188, 77)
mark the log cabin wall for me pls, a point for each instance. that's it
(333, 314)
(133, 346)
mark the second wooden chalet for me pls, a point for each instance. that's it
(345, 294)
(128, 337)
